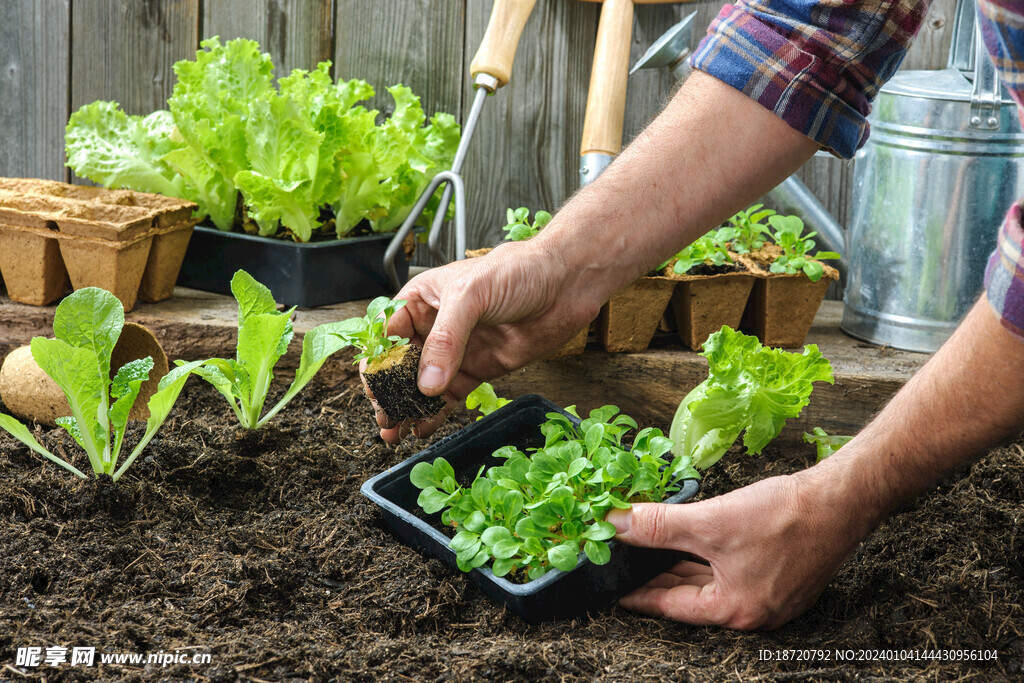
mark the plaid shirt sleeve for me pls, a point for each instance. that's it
(817, 65)
(1002, 29)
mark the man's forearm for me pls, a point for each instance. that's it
(710, 153)
(968, 397)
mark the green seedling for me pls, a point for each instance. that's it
(519, 227)
(86, 327)
(540, 510)
(264, 334)
(369, 334)
(746, 231)
(796, 248)
(485, 400)
(710, 249)
(750, 389)
(826, 445)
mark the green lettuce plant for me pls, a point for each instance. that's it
(485, 400)
(264, 334)
(518, 226)
(710, 249)
(796, 248)
(541, 510)
(369, 334)
(291, 151)
(86, 327)
(825, 444)
(750, 389)
(746, 231)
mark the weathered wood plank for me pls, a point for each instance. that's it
(931, 47)
(34, 85)
(526, 150)
(124, 50)
(419, 43)
(297, 33)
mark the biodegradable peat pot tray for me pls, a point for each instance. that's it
(129, 243)
(299, 274)
(702, 304)
(628, 321)
(782, 307)
(557, 594)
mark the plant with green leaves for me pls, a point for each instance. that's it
(485, 400)
(86, 327)
(369, 334)
(264, 334)
(750, 389)
(825, 444)
(711, 249)
(519, 227)
(796, 248)
(746, 231)
(540, 510)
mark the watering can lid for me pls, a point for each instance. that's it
(946, 84)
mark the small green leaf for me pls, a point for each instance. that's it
(564, 556)
(597, 552)
(422, 476)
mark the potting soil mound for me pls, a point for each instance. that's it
(259, 550)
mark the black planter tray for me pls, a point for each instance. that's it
(557, 594)
(299, 274)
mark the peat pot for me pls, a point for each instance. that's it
(557, 594)
(944, 162)
(628, 321)
(702, 304)
(299, 274)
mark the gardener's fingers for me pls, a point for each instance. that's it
(659, 525)
(693, 604)
(446, 344)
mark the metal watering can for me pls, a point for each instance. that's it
(944, 162)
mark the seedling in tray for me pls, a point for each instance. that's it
(392, 363)
(86, 327)
(541, 510)
(709, 249)
(746, 230)
(519, 227)
(796, 248)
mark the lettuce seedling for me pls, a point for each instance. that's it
(709, 249)
(484, 399)
(519, 227)
(86, 327)
(541, 510)
(369, 334)
(796, 249)
(826, 445)
(746, 230)
(264, 334)
(750, 389)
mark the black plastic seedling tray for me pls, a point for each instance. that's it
(299, 274)
(557, 594)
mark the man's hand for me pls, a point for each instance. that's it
(481, 318)
(771, 548)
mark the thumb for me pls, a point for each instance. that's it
(657, 525)
(445, 346)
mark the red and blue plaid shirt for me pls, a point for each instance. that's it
(818, 66)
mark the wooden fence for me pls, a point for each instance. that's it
(57, 55)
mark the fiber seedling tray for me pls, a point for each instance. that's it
(557, 594)
(299, 274)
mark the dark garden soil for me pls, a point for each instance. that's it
(260, 550)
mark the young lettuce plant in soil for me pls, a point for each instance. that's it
(796, 248)
(485, 400)
(519, 227)
(86, 327)
(825, 444)
(707, 255)
(540, 510)
(264, 334)
(392, 363)
(746, 231)
(750, 389)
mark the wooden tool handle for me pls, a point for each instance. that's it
(606, 99)
(498, 48)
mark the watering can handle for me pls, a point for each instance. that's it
(987, 94)
(498, 48)
(961, 47)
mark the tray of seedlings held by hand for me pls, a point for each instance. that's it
(557, 594)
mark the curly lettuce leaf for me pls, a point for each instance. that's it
(750, 389)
